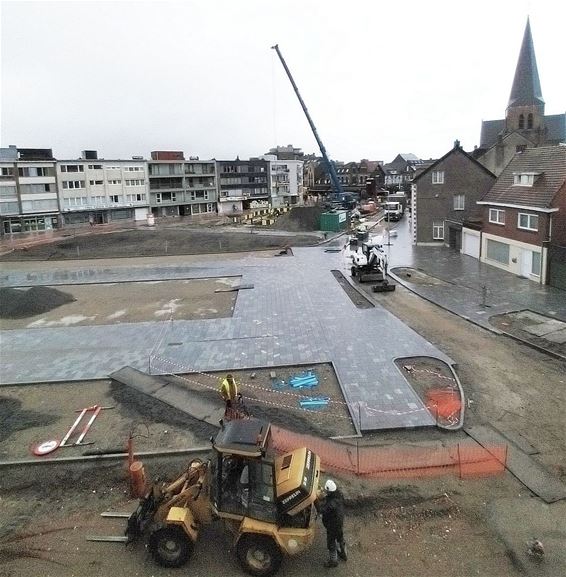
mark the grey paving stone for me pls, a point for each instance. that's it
(297, 313)
(542, 329)
(558, 337)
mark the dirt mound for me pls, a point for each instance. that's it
(148, 242)
(14, 418)
(23, 303)
(300, 218)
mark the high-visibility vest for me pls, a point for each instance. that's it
(229, 389)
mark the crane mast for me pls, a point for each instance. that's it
(330, 169)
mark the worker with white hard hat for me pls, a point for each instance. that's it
(331, 509)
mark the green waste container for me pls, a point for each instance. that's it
(334, 221)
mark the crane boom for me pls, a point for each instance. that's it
(330, 169)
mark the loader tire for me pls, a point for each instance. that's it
(353, 272)
(170, 546)
(259, 555)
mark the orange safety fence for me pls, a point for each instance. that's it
(464, 460)
(444, 404)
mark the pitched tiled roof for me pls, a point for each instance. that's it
(555, 130)
(556, 127)
(548, 161)
(489, 131)
(422, 170)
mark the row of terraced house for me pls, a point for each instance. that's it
(40, 192)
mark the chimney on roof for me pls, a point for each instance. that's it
(456, 143)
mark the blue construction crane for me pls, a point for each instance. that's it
(330, 169)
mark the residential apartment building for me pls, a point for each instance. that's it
(444, 197)
(524, 217)
(288, 152)
(400, 171)
(99, 191)
(180, 187)
(28, 190)
(286, 181)
(243, 185)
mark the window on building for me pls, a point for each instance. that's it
(6, 171)
(530, 120)
(136, 182)
(158, 197)
(95, 182)
(9, 207)
(95, 166)
(112, 167)
(497, 251)
(535, 263)
(528, 221)
(98, 199)
(8, 192)
(173, 196)
(459, 201)
(496, 216)
(133, 168)
(520, 148)
(521, 121)
(114, 182)
(115, 198)
(76, 201)
(35, 188)
(438, 230)
(523, 178)
(70, 184)
(199, 195)
(34, 171)
(72, 168)
(44, 204)
(135, 197)
(438, 177)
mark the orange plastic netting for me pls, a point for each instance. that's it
(461, 459)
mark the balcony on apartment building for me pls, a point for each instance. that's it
(230, 195)
(200, 169)
(164, 170)
(175, 183)
(199, 182)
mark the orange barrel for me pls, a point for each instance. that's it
(137, 479)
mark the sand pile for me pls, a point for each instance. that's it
(17, 303)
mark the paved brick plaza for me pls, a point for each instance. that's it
(296, 313)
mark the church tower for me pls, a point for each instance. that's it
(525, 110)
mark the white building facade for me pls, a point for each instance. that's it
(97, 191)
(286, 182)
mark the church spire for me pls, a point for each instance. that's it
(526, 89)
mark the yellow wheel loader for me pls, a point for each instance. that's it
(266, 501)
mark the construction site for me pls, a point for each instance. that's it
(446, 436)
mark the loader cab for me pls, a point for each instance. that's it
(249, 481)
(242, 475)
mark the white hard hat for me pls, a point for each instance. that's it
(330, 486)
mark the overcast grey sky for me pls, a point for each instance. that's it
(378, 77)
